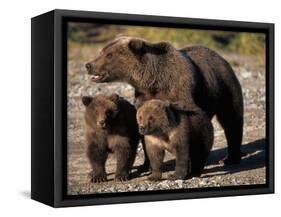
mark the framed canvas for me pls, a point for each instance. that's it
(133, 108)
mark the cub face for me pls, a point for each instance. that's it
(154, 116)
(100, 110)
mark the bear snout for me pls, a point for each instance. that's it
(103, 124)
(142, 130)
(89, 68)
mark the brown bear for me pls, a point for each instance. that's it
(193, 77)
(110, 127)
(187, 135)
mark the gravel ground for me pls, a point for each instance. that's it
(251, 170)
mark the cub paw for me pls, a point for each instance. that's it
(97, 178)
(154, 177)
(174, 176)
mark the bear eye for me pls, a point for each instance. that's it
(150, 118)
(109, 55)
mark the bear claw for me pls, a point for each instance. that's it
(97, 178)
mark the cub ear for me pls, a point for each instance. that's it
(136, 45)
(114, 97)
(175, 105)
(87, 100)
(171, 114)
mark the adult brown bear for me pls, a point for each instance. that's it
(193, 77)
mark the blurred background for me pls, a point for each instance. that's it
(241, 43)
(244, 51)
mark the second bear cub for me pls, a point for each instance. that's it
(111, 127)
(189, 136)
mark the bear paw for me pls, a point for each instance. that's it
(97, 178)
(154, 177)
(174, 176)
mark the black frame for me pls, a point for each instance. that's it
(49, 109)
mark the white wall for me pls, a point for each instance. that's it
(15, 105)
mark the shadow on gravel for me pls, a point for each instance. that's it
(253, 157)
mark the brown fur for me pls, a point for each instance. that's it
(196, 78)
(111, 127)
(189, 136)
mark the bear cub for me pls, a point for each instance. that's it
(110, 127)
(187, 135)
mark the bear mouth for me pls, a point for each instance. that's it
(97, 78)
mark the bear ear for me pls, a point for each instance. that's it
(114, 97)
(175, 105)
(167, 103)
(157, 48)
(136, 45)
(87, 100)
(171, 115)
(139, 46)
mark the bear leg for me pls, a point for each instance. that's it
(182, 164)
(232, 123)
(146, 164)
(156, 157)
(124, 161)
(97, 156)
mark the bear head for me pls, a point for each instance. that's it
(100, 110)
(125, 58)
(156, 117)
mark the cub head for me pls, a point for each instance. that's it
(155, 117)
(122, 58)
(100, 110)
